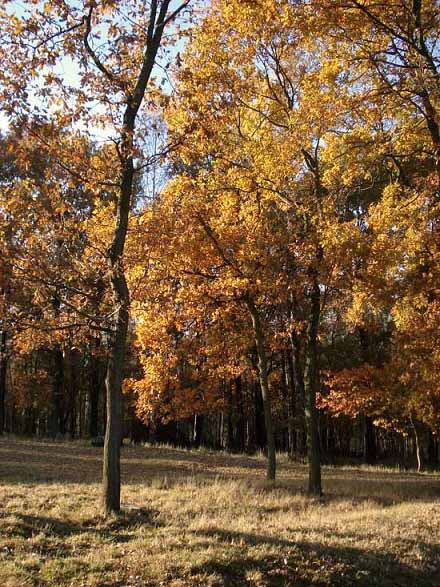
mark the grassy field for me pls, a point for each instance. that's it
(193, 519)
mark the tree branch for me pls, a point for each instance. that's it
(87, 19)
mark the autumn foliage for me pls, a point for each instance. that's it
(282, 282)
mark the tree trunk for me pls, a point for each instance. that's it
(219, 441)
(311, 383)
(72, 379)
(95, 387)
(3, 369)
(432, 449)
(368, 356)
(229, 441)
(198, 430)
(121, 298)
(240, 430)
(417, 444)
(298, 379)
(264, 384)
(289, 385)
(259, 429)
(113, 432)
(56, 414)
(369, 441)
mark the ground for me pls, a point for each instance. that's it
(194, 519)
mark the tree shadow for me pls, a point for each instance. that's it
(26, 461)
(45, 462)
(303, 564)
(26, 526)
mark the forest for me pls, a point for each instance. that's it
(219, 293)
(219, 232)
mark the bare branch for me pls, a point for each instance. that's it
(87, 19)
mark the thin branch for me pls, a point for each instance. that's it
(173, 15)
(59, 33)
(87, 19)
(210, 233)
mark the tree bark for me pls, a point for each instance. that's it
(72, 380)
(259, 436)
(290, 396)
(56, 414)
(432, 450)
(3, 369)
(369, 441)
(198, 430)
(112, 443)
(298, 379)
(264, 384)
(311, 383)
(417, 443)
(229, 441)
(239, 442)
(95, 388)
(370, 357)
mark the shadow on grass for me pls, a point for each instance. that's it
(46, 462)
(61, 547)
(26, 526)
(26, 461)
(304, 564)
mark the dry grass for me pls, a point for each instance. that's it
(192, 519)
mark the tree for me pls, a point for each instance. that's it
(206, 270)
(115, 75)
(389, 58)
(258, 129)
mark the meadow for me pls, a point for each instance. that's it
(199, 519)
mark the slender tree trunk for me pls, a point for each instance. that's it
(94, 391)
(72, 425)
(198, 430)
(71, 376)
(330, 438)
(240, 431)
(259, 427)
(289, 385)
(369, 441)
(311, 383)
(368, 356)
(229, 441)
(220, 431)
(264, 384)
(121, 298)
(94, 403)
(57, 415)
(298, 381)
(418, 451)
(3, 369)
(417, 444)
(432, 450)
